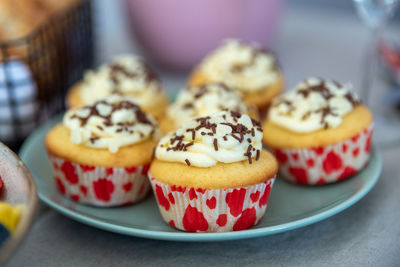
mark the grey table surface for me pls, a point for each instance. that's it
(311, 42)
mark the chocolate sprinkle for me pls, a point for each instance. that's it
(187, 162)
(187, 106)
(193, 133)
(93, 139)
(286, 102)
(319, 88)
(238, 131)
(187, 145)
(324, 113)
(322, 89)
(124, 104)
(215, 142)
(117, 70)
(255, 53)
(350, 97)
(248, 154)
(306, 115)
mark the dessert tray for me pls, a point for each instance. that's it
(290, 206)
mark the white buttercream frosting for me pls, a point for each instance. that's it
(226, 137)
(313, 105)
(126, 75)
(110, 123)
(205, 100)
(245, 67)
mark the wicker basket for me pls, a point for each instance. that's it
(37, 70)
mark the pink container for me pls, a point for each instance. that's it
(179, 33)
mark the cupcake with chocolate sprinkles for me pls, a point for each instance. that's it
(212, 174)
(127, 76)
(101, 153)
(246, 67)
(320, 132)
(202, 101)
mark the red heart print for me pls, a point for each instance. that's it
(222, 219)
(130, 169)
(235, 201)
(211, 203)
(332, 162)
(83, 189)
(247, 219)
(193, 220)
(300, 174)
(69, 171)
(128, 186)
(192, 194)
(172, 223)
(74, 197)
(254, 196)
(171, 198)
(265, 196)
(161, 198)
(103, 189)
(280, 156)
(60, 186)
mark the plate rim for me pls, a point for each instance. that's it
(201, 237)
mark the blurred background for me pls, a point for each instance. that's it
(325, 38)
(311, 37)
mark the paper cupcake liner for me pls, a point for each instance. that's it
(212, 210)
(328, 164)
(100, 186)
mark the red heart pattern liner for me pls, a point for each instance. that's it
(212, 210)
(324, 165)
(100, 186)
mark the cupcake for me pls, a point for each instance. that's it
(212, 175)
(101, 153)
(202, 101)
(320, 132)
(126, 76)
(247, 68)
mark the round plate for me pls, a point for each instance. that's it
(290, 206)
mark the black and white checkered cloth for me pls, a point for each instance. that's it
(18, 105)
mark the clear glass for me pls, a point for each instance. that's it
(19, 188)
(375, 14)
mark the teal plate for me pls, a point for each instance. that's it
(290, 206)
